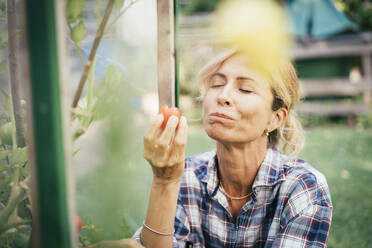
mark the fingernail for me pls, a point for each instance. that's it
(173, 119)
(183, 119)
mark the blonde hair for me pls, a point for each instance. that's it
(284, 85)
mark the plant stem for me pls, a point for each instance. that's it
(122, 12)
(13, 71)
(90, 86)
(93, 52)
(15, 224)
(17, 194)
(80, 54)
(88, 119)
(12, 119)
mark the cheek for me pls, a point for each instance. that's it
(255, 113)
(207, 101)
(252, 106)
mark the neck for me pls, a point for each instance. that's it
(238, 165)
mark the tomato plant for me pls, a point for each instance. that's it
(15, 202)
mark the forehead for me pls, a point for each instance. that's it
(239, 65)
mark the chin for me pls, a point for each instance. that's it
(218, 134)
(228, 136)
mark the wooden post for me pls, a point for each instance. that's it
(166, 53)
(367, 71)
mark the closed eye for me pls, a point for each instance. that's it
(245, 91)
(216, 84)
(217, 80)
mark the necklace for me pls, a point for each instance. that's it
(235, 197)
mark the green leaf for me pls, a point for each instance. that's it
(4, 93)
(78, 32)
(3, 67)
(6, 133)
(74, 10)
(25, 171)
(76, 150)
(119, 4)
(3, 39)
(18, 156)
(106, 93)
(3, 154)
(95, 234)
(125, 227)
(6, 106)
(4, 184)
(4, 167)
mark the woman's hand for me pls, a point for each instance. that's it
(166, 154)
(123, 243)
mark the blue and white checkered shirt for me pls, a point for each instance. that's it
(290, 206)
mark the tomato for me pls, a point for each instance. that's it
(79, 223)
(168, 112)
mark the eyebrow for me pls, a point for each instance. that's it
(245, 79)
(218, 74)
(238, 78)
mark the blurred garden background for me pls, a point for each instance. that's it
(331, 59)
(332, 55)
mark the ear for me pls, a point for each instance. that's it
(278, 118)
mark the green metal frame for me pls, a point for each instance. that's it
(177, 83)
(52, 212)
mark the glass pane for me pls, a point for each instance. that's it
(15, 202)
(119, 98)
(196, 47)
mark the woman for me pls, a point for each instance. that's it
(246, 193)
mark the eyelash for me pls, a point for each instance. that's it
(245, 91)
(220, 85)
(217, 85)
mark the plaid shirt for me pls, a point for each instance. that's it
(290, 206)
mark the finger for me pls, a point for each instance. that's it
(161, 147)
(181, 133)
(180, 141)
(168, 132)
(150, 133)
(155, 124)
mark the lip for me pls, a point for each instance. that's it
(221, 115)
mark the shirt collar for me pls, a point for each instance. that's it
(270, 172)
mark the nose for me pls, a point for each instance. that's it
(224, 98)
